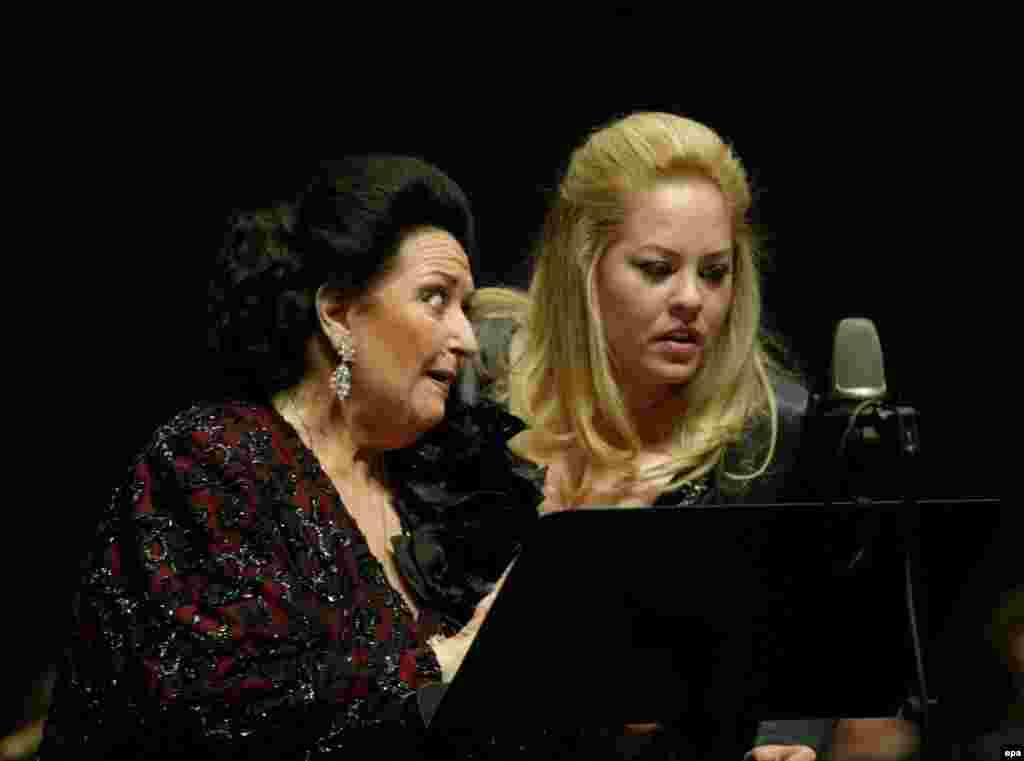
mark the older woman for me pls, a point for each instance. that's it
(637, 360)
(280, 575)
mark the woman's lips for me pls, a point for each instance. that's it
(682, 335)
(443, 379)
(677, 348)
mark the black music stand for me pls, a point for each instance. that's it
(701, 615)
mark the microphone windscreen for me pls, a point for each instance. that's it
(857, 368)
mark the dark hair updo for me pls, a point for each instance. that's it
(342, 231)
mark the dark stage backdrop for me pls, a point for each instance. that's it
(854, 230)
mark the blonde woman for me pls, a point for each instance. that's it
(637, 359)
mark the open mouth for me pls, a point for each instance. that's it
(441, 376)
(682, 338)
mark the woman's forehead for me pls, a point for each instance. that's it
(432, 245)
(431, 250)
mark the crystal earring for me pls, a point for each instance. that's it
(343, 373)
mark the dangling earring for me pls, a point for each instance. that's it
(343, 374)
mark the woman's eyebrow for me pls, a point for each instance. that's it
(725, 252)
(452, 280)
(446, 275)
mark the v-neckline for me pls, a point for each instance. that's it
(380, 573)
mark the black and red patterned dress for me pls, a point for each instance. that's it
(230, 607)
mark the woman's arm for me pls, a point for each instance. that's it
(785, 739)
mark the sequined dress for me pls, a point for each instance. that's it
(230, 607)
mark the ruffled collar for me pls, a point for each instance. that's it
(467, 503)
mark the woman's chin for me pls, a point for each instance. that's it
(669, 377)
(427, 416)
(417, 425)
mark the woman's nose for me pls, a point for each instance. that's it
(687, 296)
(463, 336)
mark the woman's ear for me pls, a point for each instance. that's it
(333, 311)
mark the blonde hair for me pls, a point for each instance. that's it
(561, 382)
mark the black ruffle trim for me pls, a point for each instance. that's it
(467, 503)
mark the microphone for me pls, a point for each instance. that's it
(858, 371)
(854, 437)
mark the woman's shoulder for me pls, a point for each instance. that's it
(779, 440)
(213, 432)
(208, 416)
(197, 452)
(791, 400)
(792, 396)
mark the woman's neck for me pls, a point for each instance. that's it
(312, 409)
(654, 415)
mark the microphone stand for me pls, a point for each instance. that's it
(917, 708)
(898, 424)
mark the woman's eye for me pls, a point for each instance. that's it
(656, 270)
(436, 297)
(717, 273)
